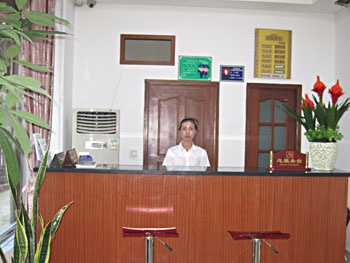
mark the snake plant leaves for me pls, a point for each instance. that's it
(22, 242)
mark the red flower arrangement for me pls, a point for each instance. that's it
(321, 120)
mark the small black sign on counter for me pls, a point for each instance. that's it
(57, 160)
(70, 159)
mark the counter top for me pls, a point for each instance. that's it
(229, 171)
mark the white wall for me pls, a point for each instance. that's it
(342, 67)
(226, 35)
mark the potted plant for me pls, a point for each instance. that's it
(320, 120)
(16, 27)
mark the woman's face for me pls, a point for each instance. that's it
(188, 131)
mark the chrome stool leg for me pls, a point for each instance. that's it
(149, 234)
(256, 250)
(149, 249)
(256, 238)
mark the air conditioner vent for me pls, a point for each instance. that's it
(96, 122)
(96, 131)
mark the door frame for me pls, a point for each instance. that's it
(252, 107)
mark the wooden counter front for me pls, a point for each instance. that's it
(203, 208)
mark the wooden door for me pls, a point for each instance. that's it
(268, 128)
(166, 103)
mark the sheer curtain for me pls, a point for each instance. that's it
(41, 53)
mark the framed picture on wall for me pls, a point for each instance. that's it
(195, 68)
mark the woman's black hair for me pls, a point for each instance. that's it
(191, 119)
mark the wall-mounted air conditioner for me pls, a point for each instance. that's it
(96, 131)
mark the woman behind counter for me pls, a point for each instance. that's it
(186, 155)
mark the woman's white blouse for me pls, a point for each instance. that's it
(195, 159)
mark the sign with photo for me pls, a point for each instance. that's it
(232, 73)
(195, 68)
(273, 51)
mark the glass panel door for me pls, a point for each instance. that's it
(272, 130)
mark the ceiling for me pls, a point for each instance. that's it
(309, 6)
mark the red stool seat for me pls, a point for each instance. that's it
(155, 232)
(240, 235)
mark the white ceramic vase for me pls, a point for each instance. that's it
(323, 155)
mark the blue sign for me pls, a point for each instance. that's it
(232, 73)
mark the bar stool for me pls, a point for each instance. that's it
(256, 238)
(149, 234)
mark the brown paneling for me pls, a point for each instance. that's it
(203, 208)
(166, 103)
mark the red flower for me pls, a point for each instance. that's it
(307, 103)
(319, 87)
(336, 91)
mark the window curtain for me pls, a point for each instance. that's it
(41, 53)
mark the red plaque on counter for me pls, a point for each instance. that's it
(288, 160)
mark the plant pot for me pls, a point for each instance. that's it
(323, 155)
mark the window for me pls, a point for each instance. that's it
(7, 208)
(147, 49)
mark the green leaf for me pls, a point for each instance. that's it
(4, 26)
(3, 117)
(13, 188)
(12, 99)
(38, 182)
(44, 247)
(13, 19)
(28, 83)
(58, 217)
(25, 36)
(29, 232)
(10, 158)
(32, 118)
(16, 91)
(32, 66)
(42, 255)
(4, 8)
(21, 134)
(9, 86)
(12, 51)
(42, 34)
(24, 81)
(42, 19)
(11, 34)
(20, 4)
(16, 255)
(22, 241)
(3, 67)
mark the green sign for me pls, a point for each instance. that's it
(194, 68)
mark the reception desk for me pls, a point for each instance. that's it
(203, 206)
